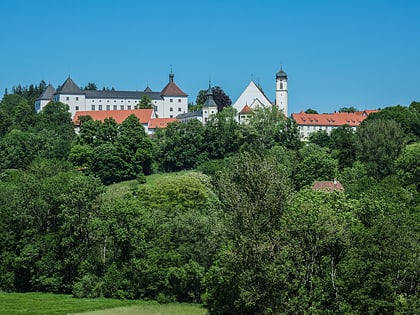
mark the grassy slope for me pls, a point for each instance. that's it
(56, 304)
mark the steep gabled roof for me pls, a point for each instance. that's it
(245, 110)
(147, 89)
(47, 94)
(69, 87)
(144, 115)
(171, 89)
(251, 93)
(209, 98)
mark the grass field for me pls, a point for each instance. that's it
(56, 304)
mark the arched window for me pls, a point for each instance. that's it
(281, 85)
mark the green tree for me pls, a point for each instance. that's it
(321, 138)
(109, 165)
(221, 98)
(245, 278)
(350, 109)
(343, 140)
(145, 102)
(316, 164)
(311, 111)
(180, 146)
(18, 149)
(90, 86)
(135, 144)
(316, 230)
(379, 142)
(407, 117)
(408, 165)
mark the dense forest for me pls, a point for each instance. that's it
(232, 222)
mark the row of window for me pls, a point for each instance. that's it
(108, 107)
(77, 98)
(171, 109)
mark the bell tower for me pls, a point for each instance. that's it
(281, 91)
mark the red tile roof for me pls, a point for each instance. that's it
(328, 186)
(144, 115)
(160, 122)
(171, 89)
(335, 119)
(245, 110)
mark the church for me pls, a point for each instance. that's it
(168, 103)
(253, 97)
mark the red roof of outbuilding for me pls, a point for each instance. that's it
(328, 186)
(144, 115)
(160, 122)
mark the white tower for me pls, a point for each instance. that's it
(281, 91)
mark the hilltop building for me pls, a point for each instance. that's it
(203, 115)
(310, 123)
(147, 118)
(167, 103)
(253, 97)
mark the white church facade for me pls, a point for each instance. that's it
(253, 97)
(168, 103)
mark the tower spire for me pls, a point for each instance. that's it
(171, 76)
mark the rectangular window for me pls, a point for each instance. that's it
(171, 109)
(100, 107)
(129, 107)
(67, 98)
(122, 107)
(108, 107)
(77, 107)
(115, 107)
(92, 107)
(179, 100)
(171, 116)
(171, 100)
(77, 98)
(156, 108)
(179, 109)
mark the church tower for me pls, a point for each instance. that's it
(209, 106)
(281, 91)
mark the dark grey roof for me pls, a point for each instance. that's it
(148, 89)
(121, 94)
(69, 87)
(47, 94)
(197, 113)
(209, 99)
(281, 74)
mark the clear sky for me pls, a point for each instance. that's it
(364, 54)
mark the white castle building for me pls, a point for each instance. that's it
(253, 97)
(168, 103)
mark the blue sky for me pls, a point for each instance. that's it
(364, 54)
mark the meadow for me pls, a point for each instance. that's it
(58, 304)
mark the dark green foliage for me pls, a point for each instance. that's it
(255, 193)
(145, 102)
(180, 146)
(316, 164)
(407, 117)
(379, 142)
(113, 152)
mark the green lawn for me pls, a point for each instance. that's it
(56, 304)
(120, 189)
